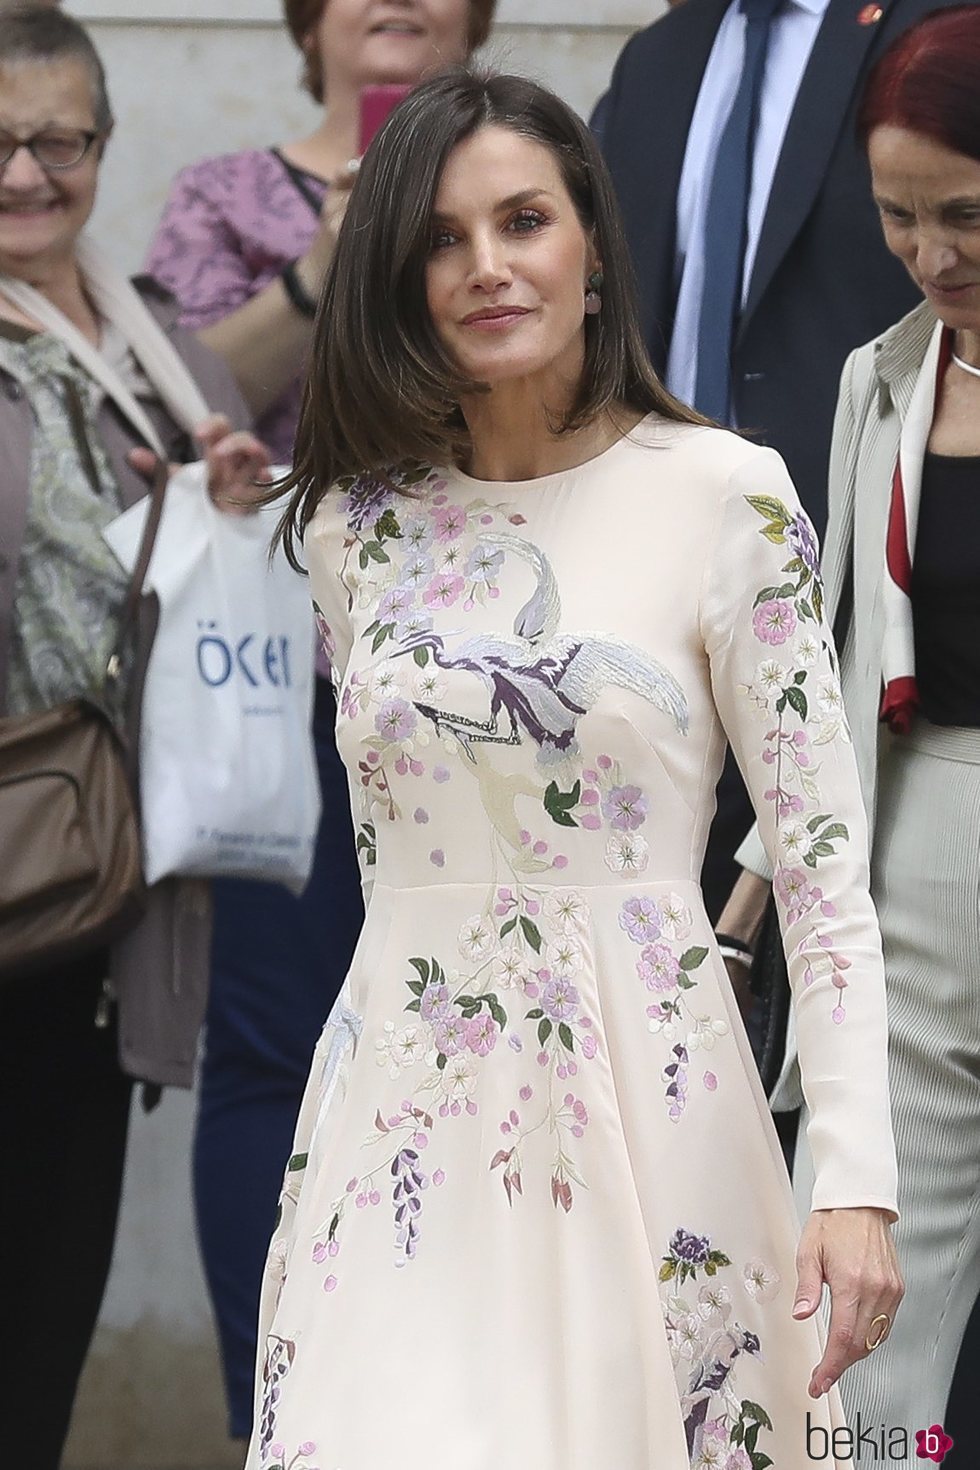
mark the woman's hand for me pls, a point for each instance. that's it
(853, 1252)
(238, 465)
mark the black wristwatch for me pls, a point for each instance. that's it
(296, 291)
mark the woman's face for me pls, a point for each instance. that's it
(377, 41)
(509, 263)
(42, 212)
(929, 201)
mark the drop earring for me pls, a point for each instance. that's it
(593, 297)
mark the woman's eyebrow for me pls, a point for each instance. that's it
(513, 201)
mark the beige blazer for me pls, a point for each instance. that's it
(877, 386)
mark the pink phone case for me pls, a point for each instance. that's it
(377, 105)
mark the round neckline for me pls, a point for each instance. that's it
(297, 168)
(542, 481)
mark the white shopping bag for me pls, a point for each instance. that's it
(228, 780)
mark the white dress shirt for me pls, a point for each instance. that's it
(791, 39)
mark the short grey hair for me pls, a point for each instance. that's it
(43, 33)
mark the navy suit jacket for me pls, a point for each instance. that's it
(823, 281)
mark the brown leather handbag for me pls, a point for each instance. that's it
(70, 865)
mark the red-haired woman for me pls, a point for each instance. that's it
(903, 572)
(243, 244)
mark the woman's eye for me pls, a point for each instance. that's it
(442, 238)
(526, 221)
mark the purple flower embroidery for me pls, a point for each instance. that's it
(435, 1004)
(408, 1183)
(688, 1247)
(396, 604)
(366, 499)
(484, 564)
(774, 621)
(625, 807)
(802, 538)
(481, 1035)
(640, 917)
(658, 968)
(443, 590)
(451, 1035)
(395, 720)
(559, 1000)
(449, 522)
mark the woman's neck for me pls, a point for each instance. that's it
(966, 345)
(61, 284)
(332, 142)
(514, 439)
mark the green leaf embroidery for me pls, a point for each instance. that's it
(797, 699)
(693, 957)
(753, 1411)
(531, 933)
(558, 804)
(298, 1161)
(770, 508)
(421, 657)
(565, 1036)
(384, 632)
(387, 525)
(505, 929)
(422, 966)
(544, 1031)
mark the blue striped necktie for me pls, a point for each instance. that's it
(725, 224)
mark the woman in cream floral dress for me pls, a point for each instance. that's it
(537, 1216)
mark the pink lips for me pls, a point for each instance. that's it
(495, 318)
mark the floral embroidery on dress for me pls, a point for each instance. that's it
(405, 558)
(666, 966)
(808, 713)
(705, 1342)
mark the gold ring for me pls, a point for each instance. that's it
(886, 1323)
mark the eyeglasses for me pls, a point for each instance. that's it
(53, 149)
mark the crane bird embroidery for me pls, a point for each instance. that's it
(541, 680)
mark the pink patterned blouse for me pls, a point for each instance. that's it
(229, 226)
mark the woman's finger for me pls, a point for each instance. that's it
(843, 1347)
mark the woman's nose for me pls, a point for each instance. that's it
(489, 267)
(934, 254)
(22, 170)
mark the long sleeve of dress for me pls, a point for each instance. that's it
(328, 552)
(776, 686)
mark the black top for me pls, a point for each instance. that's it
(946, 591)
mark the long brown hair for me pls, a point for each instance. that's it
(303, 16)
(381, 391)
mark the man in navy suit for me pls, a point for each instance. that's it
(818, 280)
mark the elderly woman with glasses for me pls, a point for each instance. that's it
(96, 379)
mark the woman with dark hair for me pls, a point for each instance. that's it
(243, 244)
(536, 1213)
(903, 576)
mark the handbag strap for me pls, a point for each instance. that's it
(134, 591)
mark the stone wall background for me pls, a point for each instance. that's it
(190, 78)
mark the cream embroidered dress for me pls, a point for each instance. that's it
(537, 1216)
